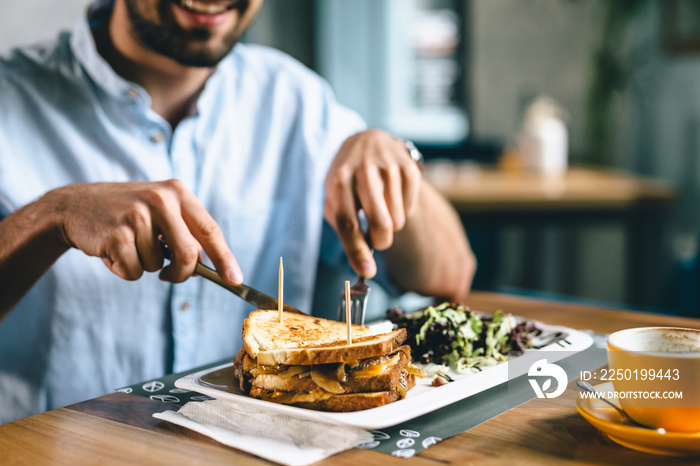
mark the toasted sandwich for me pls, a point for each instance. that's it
(308, 362)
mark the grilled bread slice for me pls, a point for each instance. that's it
(305, 340)
(359, 401)
(338, 351)
(262, 331)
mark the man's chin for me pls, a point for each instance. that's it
(170, 33)
(200, 60)
(202, 56)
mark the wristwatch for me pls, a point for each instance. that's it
(414, 153)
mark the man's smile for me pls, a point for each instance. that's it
(205, 7)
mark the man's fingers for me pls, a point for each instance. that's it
(341, 213)
(139, 223)
(121, 256)
(149, 253)
(411, 180)
(148, 248)
(207, 232)
(356, 247)
(370, 192)
(394, 198)
(184, 250)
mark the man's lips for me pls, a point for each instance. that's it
(206, 13)
(205, 7)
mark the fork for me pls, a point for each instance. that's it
(358, 302)
(360, 290)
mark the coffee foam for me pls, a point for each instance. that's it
(658, 339)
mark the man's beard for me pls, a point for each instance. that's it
(187, 47)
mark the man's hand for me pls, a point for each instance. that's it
(122, 224)
(373, 172)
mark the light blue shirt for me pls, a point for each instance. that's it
(255, 153)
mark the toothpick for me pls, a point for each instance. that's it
(347, 311)
(280, 293)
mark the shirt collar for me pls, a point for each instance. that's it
(85, 51)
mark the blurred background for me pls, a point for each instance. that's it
(459, 79)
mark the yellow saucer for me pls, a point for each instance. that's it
(609, 421)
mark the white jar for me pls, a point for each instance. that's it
(543, 140)
(543, 144)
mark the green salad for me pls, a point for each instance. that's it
(452, 336)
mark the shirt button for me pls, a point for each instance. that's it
(132, 93)
(157, 137)
(185, 306)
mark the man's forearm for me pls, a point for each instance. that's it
(29, 245)
(431, 255)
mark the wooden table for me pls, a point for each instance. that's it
(118, 428)
(487, 197)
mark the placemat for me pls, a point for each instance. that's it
(409, 438)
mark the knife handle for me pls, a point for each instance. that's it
(254, 297)
(200, 269)
(210, 274)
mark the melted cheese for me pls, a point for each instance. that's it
(371, 370)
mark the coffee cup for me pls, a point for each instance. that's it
(656, 375)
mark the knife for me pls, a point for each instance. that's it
(252, 296)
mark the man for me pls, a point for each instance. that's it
(146, 123)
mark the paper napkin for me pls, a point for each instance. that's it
(277, 437)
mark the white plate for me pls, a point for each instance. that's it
(219, 382)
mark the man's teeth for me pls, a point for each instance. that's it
(205, 8)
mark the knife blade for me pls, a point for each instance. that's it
(257, 298)
(250, 295)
